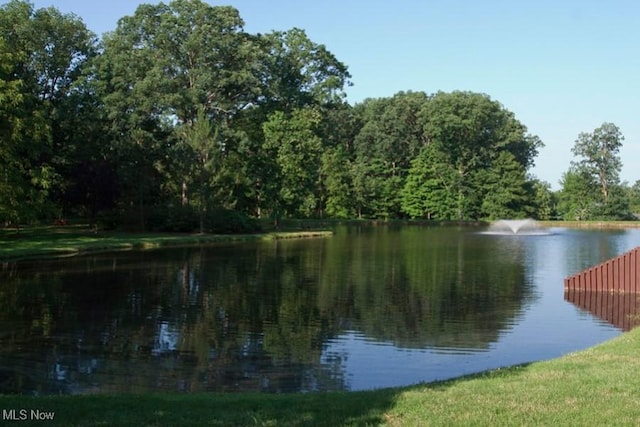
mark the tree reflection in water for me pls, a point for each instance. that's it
(253, 316)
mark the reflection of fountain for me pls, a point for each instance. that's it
(517, 227)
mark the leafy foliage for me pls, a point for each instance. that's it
(180, 110)
(296, 149)
(599, 151)
(42, 56)
(591, 189)
(474, 161)
(428, 190)
(390, 137)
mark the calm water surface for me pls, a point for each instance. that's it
(369, 307)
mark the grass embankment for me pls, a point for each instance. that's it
(595, 387)
(299, 224)
(41, 242)
(592, 224)
(50, 241)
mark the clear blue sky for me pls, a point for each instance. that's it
(561, 66)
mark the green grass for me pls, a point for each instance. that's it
(592, 224)
(41, 242)
(595, 387)
(598, 386)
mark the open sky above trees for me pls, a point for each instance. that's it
(561, 67)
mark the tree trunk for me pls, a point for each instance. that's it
(184, 198)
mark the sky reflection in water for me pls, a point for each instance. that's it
(367, 308)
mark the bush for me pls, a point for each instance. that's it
(108, 220)
(180, 219)
(186, 219)
(226, 221)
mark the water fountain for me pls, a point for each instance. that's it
(517, 227)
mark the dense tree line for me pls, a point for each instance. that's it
(179, 119)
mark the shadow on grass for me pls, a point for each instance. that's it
(361, 408)
(314, 409)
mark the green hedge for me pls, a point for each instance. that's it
(187, 219)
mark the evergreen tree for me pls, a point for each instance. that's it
(390, 138)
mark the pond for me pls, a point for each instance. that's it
(370, 307)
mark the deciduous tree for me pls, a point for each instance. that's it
(43, 55)
(296, 150)
(390, 137)
(599, 156)
(591, 188)
(577, 200)
(480, 142)
(164, 66)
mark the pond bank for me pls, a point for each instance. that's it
(61, 241)
(592, 224)
(301, 224)
(597, 386)
(48, 242)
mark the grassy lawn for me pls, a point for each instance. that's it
(595, 387)
(49, 241)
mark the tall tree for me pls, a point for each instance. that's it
(545, 200)
(427, 192)
(300, 72)
(591, 188)
(161, 67)
(471, 131)
(296, 73)
(390, 137)
(336, 179)
(296, 150)
(44, 55)
(205, 152)
(338, 131)
(599, 152)
(13, 114)
(506, 190)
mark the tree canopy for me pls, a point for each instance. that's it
(179, 119)
(591, 189)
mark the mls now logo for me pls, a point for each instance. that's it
(24, 414)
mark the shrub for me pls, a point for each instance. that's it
(186, 219)
(226, 221)
(180, 219)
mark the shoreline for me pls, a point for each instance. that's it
(595, 225)
(61, 242)
(42, 242)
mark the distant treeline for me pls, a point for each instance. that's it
(181, 120)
